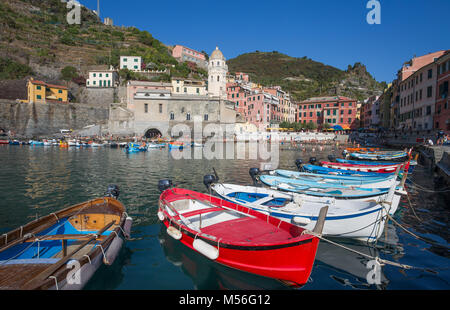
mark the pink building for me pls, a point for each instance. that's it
(442, 111)
(183, 53)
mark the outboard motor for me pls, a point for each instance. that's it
(299, 164)
(254, 172)
(164, 185)
(313, 160)
(208, 180)
(331, 158)
(345, 154)
(112, 191)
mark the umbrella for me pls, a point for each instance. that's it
(337, 127)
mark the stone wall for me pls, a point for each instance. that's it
(39, 119)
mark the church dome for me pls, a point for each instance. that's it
(217, 54)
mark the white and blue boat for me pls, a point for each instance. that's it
(379, 155)
(156, 145)
(361, 219)
(320, 190)
(364, 182)
(412, 163)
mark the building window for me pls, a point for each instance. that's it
(59, 99)
(188, 117)
(160, 108)
(429, 91)
(430, 73)
(185, 89)
(60, 91)
(38, 87)
(39, 97)
(172, 116)
(146, 108)
(218, 78)
(178, 89)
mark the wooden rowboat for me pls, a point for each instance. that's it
(365, 168)
(64, 249)
(239, 237)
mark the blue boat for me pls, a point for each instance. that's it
(135, 148)
(176, 146)
(320, 190)
(37, 143)
(324, 170)
(14, 142)
(310, 178)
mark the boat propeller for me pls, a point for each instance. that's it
(313, 160)
(112, 191)
(164, 185)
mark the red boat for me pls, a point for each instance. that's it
(239, 237)
(363, 168)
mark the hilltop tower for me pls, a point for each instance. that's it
(217, 75)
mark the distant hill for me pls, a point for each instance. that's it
(304, 77)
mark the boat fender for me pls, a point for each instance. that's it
(206, 249)
(161, 216)
(301, 221)
(174, 233)
(127, 227)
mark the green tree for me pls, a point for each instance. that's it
(68, 73)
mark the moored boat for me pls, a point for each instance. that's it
(237, 236)
(44, 254)
(364, 168)
(176, 145)
(355, 218)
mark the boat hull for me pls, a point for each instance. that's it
(290, 260)
(361, 220)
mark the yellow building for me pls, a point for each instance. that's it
(39, 91)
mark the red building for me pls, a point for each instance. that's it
(336, 110)
(442, 109)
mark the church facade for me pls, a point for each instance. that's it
(165, 109)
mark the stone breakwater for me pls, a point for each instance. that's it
(46, 119)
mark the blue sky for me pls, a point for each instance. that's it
(334, 32)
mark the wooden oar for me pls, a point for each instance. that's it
(37, 280)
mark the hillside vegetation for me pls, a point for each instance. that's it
(35, 34)
(306, 78)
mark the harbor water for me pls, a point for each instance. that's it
(35, 181)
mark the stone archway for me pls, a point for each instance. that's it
(153, 133)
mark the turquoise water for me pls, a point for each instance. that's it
(35, 181)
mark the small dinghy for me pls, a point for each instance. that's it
(412, 163)
(136, 148)
(356, 219)
(64, 249)
(239, 237)
(156, 145)
(176, 145)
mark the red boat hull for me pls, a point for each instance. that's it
(4, 142)
(290, 261)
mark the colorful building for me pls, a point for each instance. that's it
(442, 109)
(183, 53)
(338, 110)
(39, 91)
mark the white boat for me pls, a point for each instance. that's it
(72, 143)
(94, 144)
(360, 219)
